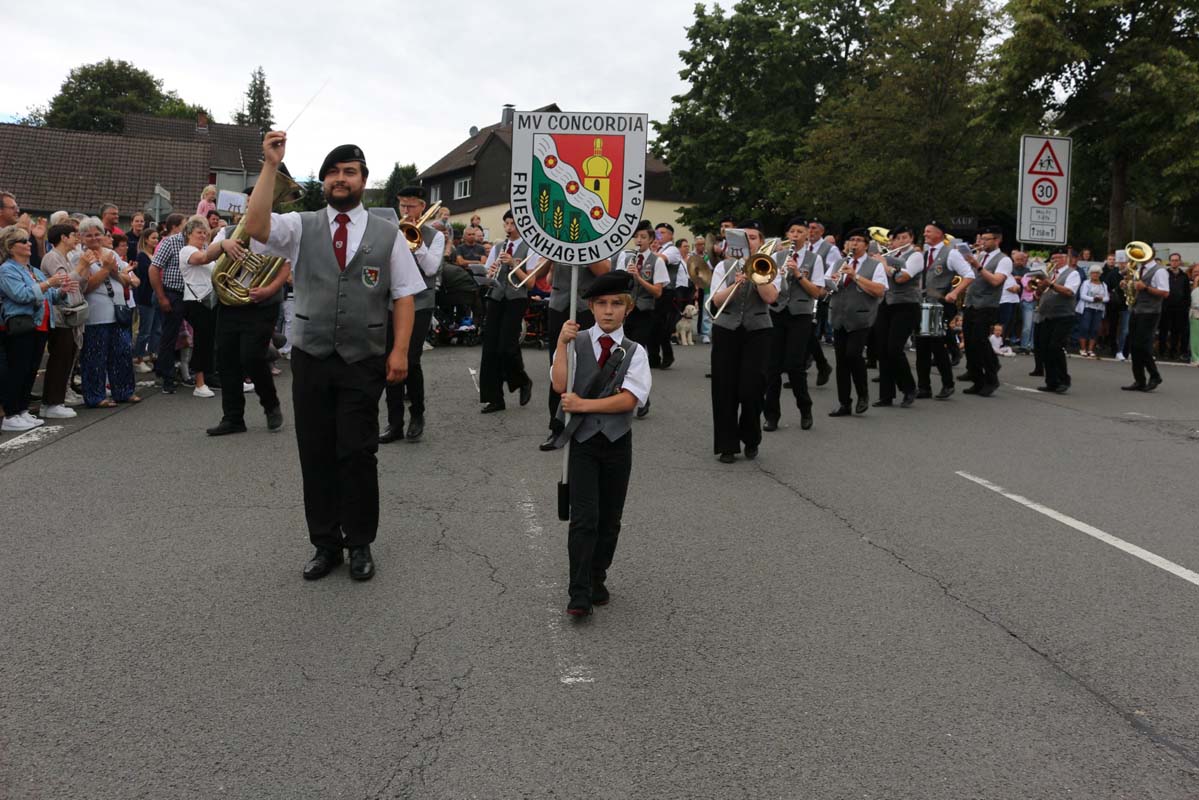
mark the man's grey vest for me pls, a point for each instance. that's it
(502, 290)
(746, 308)
(850, 308)
(343, 312)
(937, 278)
(1055, 305)
(793, 299)
(980, 294)
(424, 301)
(274, 299)
(902, 293)
(560, 287)
(642, 299)
(1147, 303)
(587, 369)
(672, 270)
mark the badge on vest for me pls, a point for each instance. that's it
(370, 277)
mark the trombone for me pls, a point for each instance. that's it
(411, 230)
(759, 268)
(528, 275)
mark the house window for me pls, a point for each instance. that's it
(461, 188)
(434, 194)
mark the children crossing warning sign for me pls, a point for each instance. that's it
(1044, 200)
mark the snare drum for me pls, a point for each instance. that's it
(932, 320)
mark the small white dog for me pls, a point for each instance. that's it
(685, 327)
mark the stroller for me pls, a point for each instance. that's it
(456, 317)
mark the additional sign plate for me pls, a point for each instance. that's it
(161, 192)
(578, 182)
(231, 202)
(1044, 200)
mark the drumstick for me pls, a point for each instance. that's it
(305, 108)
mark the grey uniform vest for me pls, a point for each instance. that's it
(672, 271)
(850, 308)
(503, 290)
(746, 309)
(793, 299)
(980, 294)
(1147, 303)
(643, 300)
(343, 312)
(425, 300)
(1054, 305)
(901, 293)
(274, 299)
(937, 279)
(587, 369)
(560, 288)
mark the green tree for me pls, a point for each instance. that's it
(256, 106)
(314, 194)
(400, 177)
(96, 97)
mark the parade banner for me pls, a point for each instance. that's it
(578, 182)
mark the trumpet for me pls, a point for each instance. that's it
(759, 268)
(411, 230)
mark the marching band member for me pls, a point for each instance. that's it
(428, 258)
(830, 256)
(901, 312)
(606, 390)
(650, 279)
(992, 268)
(501, 359)
(856, 289)
(342, 295)
(942, 264)
(1152, 289)
(740, 347)
(791, 318)
(666, 314)
(1055, 320)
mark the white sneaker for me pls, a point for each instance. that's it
(28, 417)
(426, 346)
(1119, 356)
(58, 412)
(705, 340)
(18, 424)
(142, 367)
(203, 391)
(72, 398)
(247, 387)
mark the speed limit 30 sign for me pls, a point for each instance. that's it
(1044, 200)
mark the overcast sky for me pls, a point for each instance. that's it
(406, 80)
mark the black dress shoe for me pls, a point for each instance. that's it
(1153, 384)
(945, 393)
(805, 421)
(823, 374)
(908, 401)
(392, 433)
(322, 563)
(600, 596)
(786, 384)
(955, 359)
(274, 419)
(225, 427)
(491, 408)
(549, 444)
(641, 412)
(1134, 387)
(1046, 388)
(1037, 373)
(578, 609)
(416, 428)
(751, 453)
(362, 566)
(526, 393)
(861, 406)
(770, 425)
(840, 411)
(876, 379)
(882, 404)
(975, 389)
(967, 377)
(987, 389)
(924, 394)
(668, 364)
(727, 458)
(1065, 387)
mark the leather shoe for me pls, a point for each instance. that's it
(416, 428)
(600, 596)
(579, 610)
(1134, 387)
(1153, 384)
(822, 375)
(392, 433)
(526, 393)
(975, 389)
(908, 401)
(945, 393)
(840, 411)
(861, 406)
(1037, 373)
(882, 404)
(1065, 387)
(322, 563)
(362, 566)
(751, 453)
(491, 408)
(924, 394)
(770, 425)
(641, 412)
(274, 419)
(225, 427)
(1046, 388)
(805, 421)
(987, 389)
(727, 458)
(549, 443)
(967, 377)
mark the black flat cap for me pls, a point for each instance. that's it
(860, 232)
(750, 225)
(615, 282)
(938, 226)
(340, 155)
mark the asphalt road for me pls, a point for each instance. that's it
(846, 617)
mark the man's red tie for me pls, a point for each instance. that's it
(986, 255)
(606, 343)
(339, 240)
(929, 264)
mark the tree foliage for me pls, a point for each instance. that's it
(256, 106)
(400, 177)
(96, 97)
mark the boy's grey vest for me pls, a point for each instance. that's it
(560, 287)
(980, 294)
(850, 308)
(937, 278)
(1147, 303)
(502, 290)
(425, 300)
(274, 299)
(343, 312)
(902, 293)
(746, 309)
(1055, 305)
(587, 369)
(643, 300)
(793, 299)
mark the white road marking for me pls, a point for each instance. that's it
(1021, 388)
(571, 669)
(28, 438)
(1136, 414)
(474, 376)
(1133, 550)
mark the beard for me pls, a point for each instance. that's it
(343, 198)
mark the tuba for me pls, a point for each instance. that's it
(233, 280)
(1138, 253)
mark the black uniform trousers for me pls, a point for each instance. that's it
(981, 360)
(172, 321)
(599, 481)
(640, 327)
(337, 431)
(1050, 337)
(501, 360)
(850, 347)
(876, 344)
(935, 350)
(789, 339)
(738, 387)
(815, 350)
(556, 320)
(1140, 335)
(411, 388)
(243, 338)
(894, 372)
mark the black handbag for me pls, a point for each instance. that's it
(122, 314)
(19, 324)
